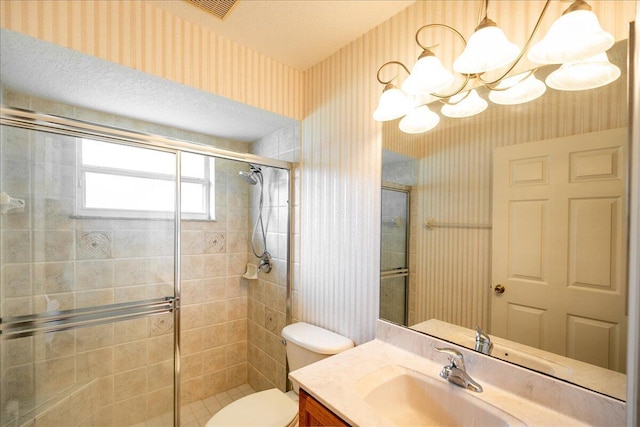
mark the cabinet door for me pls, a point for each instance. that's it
(313, 413)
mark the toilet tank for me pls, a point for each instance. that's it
(306, 344)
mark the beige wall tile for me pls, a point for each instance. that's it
(160, 375)
(191, 317)
(214, 335)
(93, 338)
(54, 375)
(236, 353)
(129, 271)
(214, 383)
(214, 359)
(191, 292)
(191, 366)
(94, 364)
(130, 356)
(159, 402)
(237, 375)
(160, 349)
(214, 312)
(16, 280)
(130, 384)
(131, 330)
(191, 341)
(131, 411)
(191, 390)
(214, 289)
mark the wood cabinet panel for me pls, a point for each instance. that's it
(314, 413)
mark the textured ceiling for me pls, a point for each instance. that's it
(49, 71)
(298, 33)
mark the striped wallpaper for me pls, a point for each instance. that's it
(142, 36)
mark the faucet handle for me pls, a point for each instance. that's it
(456, 359)
(483, 342)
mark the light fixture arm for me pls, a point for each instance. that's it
(428, 48)
(525, 49)
(386, 82)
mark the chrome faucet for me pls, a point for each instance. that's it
(483, 342)
(455, 371)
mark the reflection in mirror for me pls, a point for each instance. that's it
(532, 198)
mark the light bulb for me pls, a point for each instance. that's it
(488, 49)
(514, 90)
(419, 120)
(393, 103)
(464, 105)
(574, 36)
(591, 73)
(427, 76)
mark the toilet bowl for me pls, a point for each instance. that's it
(305, 344)
(265, 408)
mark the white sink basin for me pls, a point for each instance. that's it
(403, 397)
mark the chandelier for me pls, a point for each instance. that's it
(575, 40)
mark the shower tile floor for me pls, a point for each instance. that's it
(196, 414)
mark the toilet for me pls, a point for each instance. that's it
(305, 344)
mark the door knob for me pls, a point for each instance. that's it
(499, 289)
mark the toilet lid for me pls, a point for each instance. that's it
(266, 408)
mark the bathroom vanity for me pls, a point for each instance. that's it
(313, 413)
(394, 380)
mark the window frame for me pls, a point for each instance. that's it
(207, 183)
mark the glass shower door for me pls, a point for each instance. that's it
(394, 259)
(87, 274)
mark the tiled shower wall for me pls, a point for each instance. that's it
(85, 262)
(267, 295)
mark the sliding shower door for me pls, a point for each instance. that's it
(394, 253)
(88, 240)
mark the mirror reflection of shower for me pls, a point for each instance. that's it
(254, 176)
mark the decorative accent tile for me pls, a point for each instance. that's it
(94, 245)
(215, 242)
(270, 321)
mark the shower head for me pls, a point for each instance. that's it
(252, 176)
(249, 177)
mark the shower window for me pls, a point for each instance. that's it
(126, 182)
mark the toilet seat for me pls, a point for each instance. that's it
(270, 408)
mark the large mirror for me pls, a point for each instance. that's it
(515, 222)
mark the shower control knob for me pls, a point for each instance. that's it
(499, 289)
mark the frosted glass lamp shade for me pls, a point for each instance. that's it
(419, 120)
(594, 72)
(573, 37)
(516, 91)
(464, 105)
(393, 103)
(488, 49)
(427, 76)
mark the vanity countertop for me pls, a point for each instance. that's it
(332, 382)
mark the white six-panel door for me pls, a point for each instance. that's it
(559, 246)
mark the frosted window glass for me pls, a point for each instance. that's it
(105, 191)
(193, 165)
(124, 157)
(193, 198)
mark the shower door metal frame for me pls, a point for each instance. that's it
(24, 325)
(401, 272)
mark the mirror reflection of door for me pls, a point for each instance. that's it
(394, 264)
(559, 226)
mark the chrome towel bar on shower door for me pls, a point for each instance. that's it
(53, 321)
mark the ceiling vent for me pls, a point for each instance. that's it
(218, 8)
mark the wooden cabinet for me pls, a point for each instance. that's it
(314, 413)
